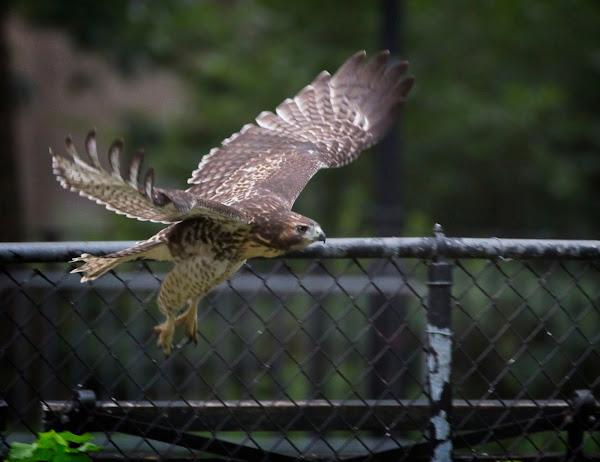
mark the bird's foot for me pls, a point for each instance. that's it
(189, 319)
(165, 335)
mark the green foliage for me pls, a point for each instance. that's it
(500, 122)
(54, 447)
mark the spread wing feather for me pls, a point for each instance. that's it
(327, 124)
(126, 196)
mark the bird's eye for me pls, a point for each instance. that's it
(301, 229)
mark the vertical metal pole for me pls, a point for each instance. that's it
(439, 352)
(582, 405)
(388, 221)
(388, 216)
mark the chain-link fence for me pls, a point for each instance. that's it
(342, 352)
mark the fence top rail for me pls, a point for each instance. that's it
(436, 247)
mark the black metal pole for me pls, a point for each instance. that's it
(387, 220)
(582, 404)
(368, 247)
(439, 352)
(388, 216)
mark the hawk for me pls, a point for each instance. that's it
(239, 203)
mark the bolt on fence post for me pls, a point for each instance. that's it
(439, 351)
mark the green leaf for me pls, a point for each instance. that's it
(21, 451)
(89, 447)
(60, 440)
(78, 439)
(54, 447)
(50, 440)
(43, 454)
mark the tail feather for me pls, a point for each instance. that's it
(94, 267)
(97, 266)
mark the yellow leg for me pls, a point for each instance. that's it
(189, 278)
(189, 319)
(165, 334)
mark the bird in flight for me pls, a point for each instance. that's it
(241, 195)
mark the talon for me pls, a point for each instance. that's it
(191, 331)
(189, 319)
(165, 335)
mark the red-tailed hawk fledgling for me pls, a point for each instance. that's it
(239, 203)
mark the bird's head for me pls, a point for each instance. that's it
(300, 231)
(306, 232)
(290, 232)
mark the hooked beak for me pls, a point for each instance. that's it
(317, 234)
(321, 237)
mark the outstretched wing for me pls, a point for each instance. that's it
(326, 125)
(127, 196)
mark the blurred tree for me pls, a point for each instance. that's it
(502, 130)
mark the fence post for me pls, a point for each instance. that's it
(582, 405)
(439, 351)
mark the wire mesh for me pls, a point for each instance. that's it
(526, 330)
(338, 334)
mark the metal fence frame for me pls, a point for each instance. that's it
(576, 416)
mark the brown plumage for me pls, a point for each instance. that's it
(239, 204)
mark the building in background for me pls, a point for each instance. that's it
(61, 91)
